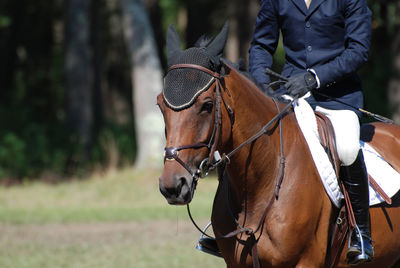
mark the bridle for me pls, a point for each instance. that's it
(171, 153)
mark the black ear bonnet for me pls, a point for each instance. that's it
(182, 86)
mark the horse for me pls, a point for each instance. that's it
(220, 113)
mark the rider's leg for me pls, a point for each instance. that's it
(347, 131)
(356, 183)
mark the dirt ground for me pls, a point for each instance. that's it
(135, 232)
(165, 243)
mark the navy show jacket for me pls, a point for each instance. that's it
(332, 37)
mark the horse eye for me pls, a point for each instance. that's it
(207, 107)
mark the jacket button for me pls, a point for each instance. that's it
(309, 48)
(308, 24)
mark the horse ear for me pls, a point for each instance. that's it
(216, 47)
(173, 43)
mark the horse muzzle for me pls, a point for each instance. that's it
(178, 189)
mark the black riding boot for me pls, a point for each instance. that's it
(356, 183)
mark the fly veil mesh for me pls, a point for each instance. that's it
(182, 86)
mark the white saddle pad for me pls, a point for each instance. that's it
(387, 178)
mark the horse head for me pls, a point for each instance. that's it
(188, 104)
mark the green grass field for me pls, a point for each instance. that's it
(115, 220)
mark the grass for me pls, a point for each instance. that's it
(122, 196)
(117, 220)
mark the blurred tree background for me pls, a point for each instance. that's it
(78, 78)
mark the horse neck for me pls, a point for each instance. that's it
(250, 165)
(253, 170)
(247, 194)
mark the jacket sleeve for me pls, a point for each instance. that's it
(265, 41)
(357, 43)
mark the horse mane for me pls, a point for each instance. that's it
(203, 41)
(240, 66)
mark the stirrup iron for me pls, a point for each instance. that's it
(205, 249)
(363, 256)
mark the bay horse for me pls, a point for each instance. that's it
(208, 105)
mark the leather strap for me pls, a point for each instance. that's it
(350, 212)
(327, 137)
(340, 230)
(194, 66)
(379, 190)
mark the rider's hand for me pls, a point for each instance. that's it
(299, 84)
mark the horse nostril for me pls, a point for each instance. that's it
(171, 191)
(174, 190)
(180, 185)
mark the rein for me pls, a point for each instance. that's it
(171, 153)
(249, 231)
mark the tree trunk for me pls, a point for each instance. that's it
(97, 63)
(8, 45)
(147, 83)
(243, 15)
(77, 71)
(394, 82)
(155, 15)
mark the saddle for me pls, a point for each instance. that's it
(328, 142)
(345, 216)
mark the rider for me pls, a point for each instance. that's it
(325, 43)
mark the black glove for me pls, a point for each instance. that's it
(299, 84)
